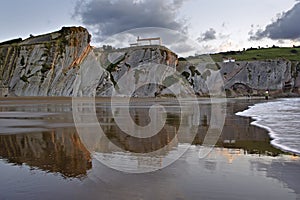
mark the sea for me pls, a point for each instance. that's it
(281, 118)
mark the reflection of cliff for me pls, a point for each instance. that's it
(63, 63)
(237, 131)
(59, 151)
(64, 152)
(167, 137)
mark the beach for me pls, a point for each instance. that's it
(45, 156)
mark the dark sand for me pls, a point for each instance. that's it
(43, 157)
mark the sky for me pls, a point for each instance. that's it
(186, 26)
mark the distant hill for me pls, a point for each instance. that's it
(253, 54)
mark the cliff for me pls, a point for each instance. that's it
(50, 64)
(280, 76)
(63, 63)
(142, 71)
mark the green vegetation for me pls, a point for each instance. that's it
(170, 80)
(206, 74)
(24, 78)
(61, 43)
(186, 75)
(259, 147)
(48, 45)
(13, 41)
(194, 71)
(22, 62)
(289, 53)
(45, 68)
(214, 67)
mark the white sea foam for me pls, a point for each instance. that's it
(282, 120)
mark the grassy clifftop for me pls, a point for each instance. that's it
(289, 53)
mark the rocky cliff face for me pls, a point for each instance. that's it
(281, 77)
(50, 65)
(63, 63)
(144, 71)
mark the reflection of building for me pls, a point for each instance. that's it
(60, 152)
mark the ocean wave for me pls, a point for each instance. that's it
(281, 118)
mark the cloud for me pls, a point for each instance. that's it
(107, 17)
(184, 47)
(208, 35)
(285, 27)
(176, 41)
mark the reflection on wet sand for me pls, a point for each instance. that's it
(228, 172)
(122, 145)
(285, 172)
(237, 132)
(58, 151)
(63, 150)
(133, 144)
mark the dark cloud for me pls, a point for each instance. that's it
(107, 17)
(285, 27)
(208, 35)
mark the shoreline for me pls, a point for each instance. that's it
(257, 121)
(248, 102)
(132, 98)
(58, 162)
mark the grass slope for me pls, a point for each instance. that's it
(289, 53)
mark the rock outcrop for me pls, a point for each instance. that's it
(281, 77)
(144, 71)
(50, 64)
(63, 63)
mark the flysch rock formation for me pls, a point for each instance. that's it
(144, 71)
(51, 65)
(280, 77)
(63, 63)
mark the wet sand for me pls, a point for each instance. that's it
(43, 157)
